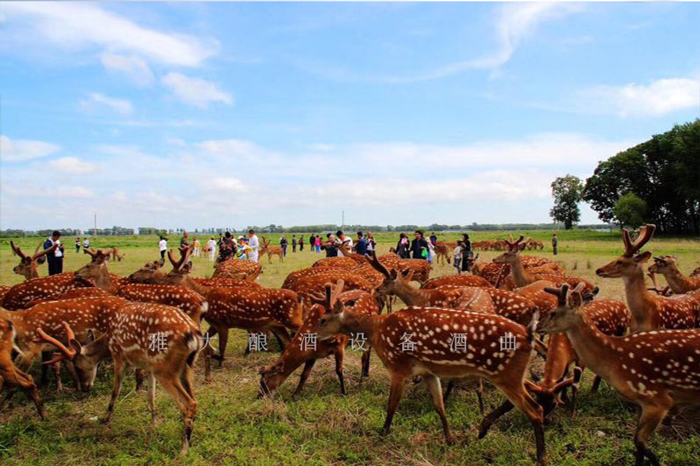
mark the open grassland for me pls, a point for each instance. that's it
(322, 427)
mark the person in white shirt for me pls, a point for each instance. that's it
(211, 247)
(254, 245)
(457, 259)
(342, 239)
(163, 247)
(86, 243)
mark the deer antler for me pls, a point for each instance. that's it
(560, 293)
(17, 250)
(65, 353)
(513, 245)
(44, 252)
(378, 266)
(645, 234)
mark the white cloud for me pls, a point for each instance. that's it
(77, 192)
(133, 66)
(96, 100)
(81, 25)
(633, 100)
(72, 166)
(21, 150)
(195, 91)
(227, 185)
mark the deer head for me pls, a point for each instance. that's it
(27, 264)
(511, 255)
(630, 262)
(664, 265)
(96, 270)
(149, 273)
(329, 325)
(393, 280)
(567, 313)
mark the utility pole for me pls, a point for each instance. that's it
(94, 231)
(342, 223)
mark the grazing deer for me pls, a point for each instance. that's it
(10, 375)
(266, 248)
(237, 269)
(158, 339)
(523, 277)
(456, 280)
(656, 369)
(649, 312)
(430, 355)
(678, 282)
(461, 298)
(442, 253)
(298, 353)
(609, 316)
(27, 266)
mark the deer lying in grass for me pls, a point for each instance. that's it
(238, 269)
(27, 266)
(609, 316)
(160, 340)
(678, 282)
(266, 248)
(431, 357)
(656, 369)
(649, 312)
(298, 353)
(10, 375)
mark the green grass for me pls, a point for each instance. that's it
(322, 427)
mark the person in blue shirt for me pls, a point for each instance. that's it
(55, 258)
(361, 245)
(418, 245)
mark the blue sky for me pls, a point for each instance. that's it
(233, 114)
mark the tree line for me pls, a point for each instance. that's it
(657, 181)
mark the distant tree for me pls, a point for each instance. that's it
(630, 210)
(567, 195)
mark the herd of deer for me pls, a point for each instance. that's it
(648, 349)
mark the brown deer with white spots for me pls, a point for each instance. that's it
(609, 316)
(3, 291)
(649, 312)
(27, 266)
(442, 253)
(90, 292)
(656, 369)
(160, 340)
(462, 298)
(299, 352)
(266, 248)
(456, 280)
(238, 269)
(497, 274)
(431, 356)
(19, 295)
(522, 276)
(10, 375)
(678, 282)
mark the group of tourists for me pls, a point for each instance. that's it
(245, 248)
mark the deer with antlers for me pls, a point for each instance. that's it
(433, 356)
(610, 316)
(266, 248)
(158, 339)
(656, 369)
(27, 266)
(12, 376)
(649, 312)
(237, 269)
(299, 352)
(678, 283)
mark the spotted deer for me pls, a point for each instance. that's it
(27, 266)
(159, 339)
(266, 248)
(442, 253)
(88, 292)
(678, 282)
(655, 369)
(238, 269)
(649, 312)
(10, 375)
(19, 295)
(299, 351)
(432, 355)
(609, 316)
(456, 280)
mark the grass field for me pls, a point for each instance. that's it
(321, 426)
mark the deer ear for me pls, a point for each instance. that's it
(91, 336)
(643, 257)
(394, 274)
(187, 267)
(75, 344)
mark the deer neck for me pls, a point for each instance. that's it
(32, 272)
(591, 346)
(678, 282)
(368, 325)
(104, 281)
(198, 287)
(560, 351)
(520, 275)
(639, 301)
(411, 296)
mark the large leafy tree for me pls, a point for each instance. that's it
(630, 210)
(567, 192)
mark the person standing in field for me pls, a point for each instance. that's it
(283, 244)
(184, 241)
(77, 245)
(419, 246)
(301, 243)
(431, 252)
(317, 240)
(86, 243)
(371, 244)
(211, 248)
(226, 247)
(466, 253)
(197, 248)
(457, 258)
(330, 246)
(402, 247)
(433, 239)
(361, 245)
(55, 258)
(341, 239)
(555, 243)
(162, 247)
(294, 243)
(254, 245)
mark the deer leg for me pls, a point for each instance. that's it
(188, 375)
(433, 385)
(223, 340)
(395, 393)
(57, 374)
(207, 364)
(282, 336)
(450, 386)
(480, 395)
(187, 405)
(26, 383)
(45, 357)
(596, 384)
(365, 362)
(152, 398)
(493, 416)
(339, 356)
(304, 375)
(578, 372)
(649, 420)
(138, 375)
(116, 388)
